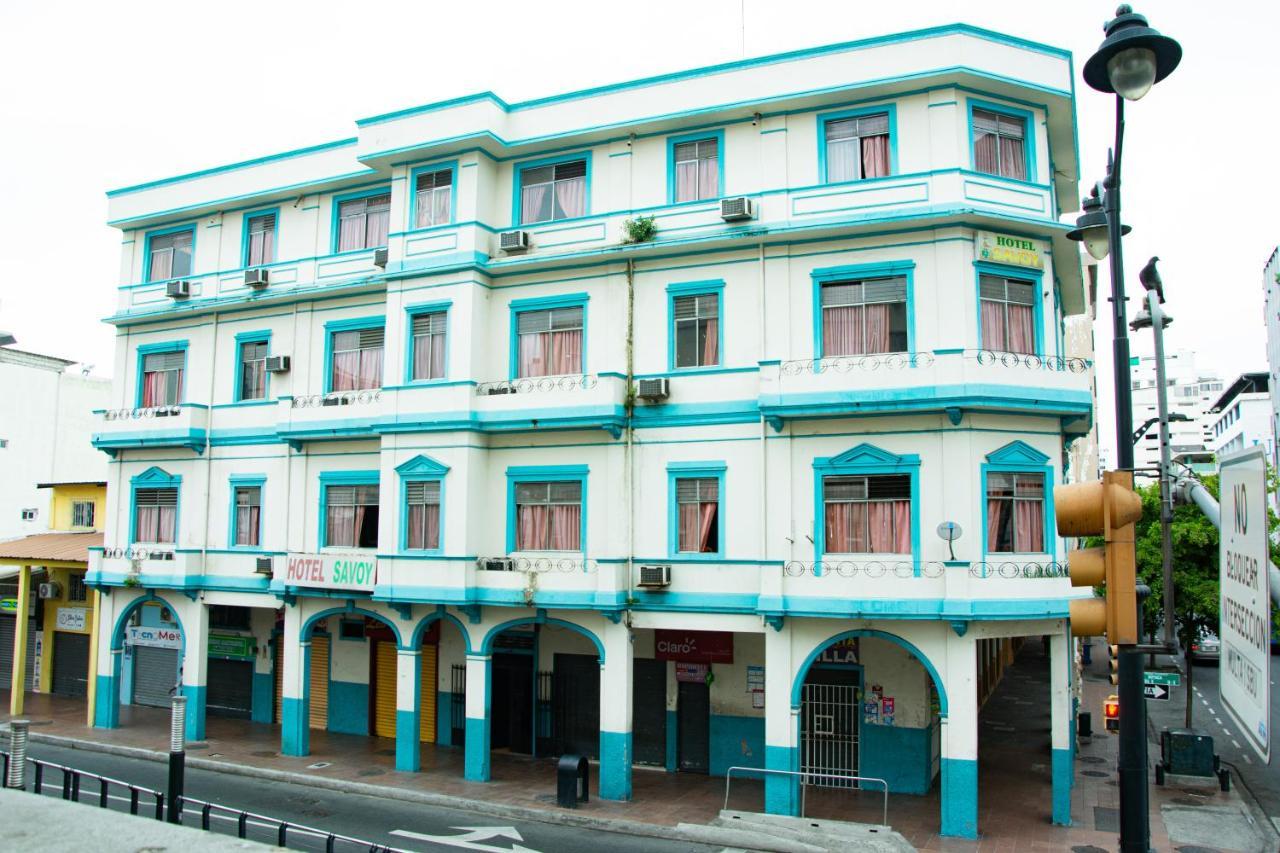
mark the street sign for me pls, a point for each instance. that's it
(1244, 626)
(1156, 691)
(1169, 679)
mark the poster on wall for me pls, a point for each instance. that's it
(72, 619)
(695, 673)
(755, 678)
(871, 712)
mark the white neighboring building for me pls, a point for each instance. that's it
(1190, 392)
(1241, 417)
(1271, 314)
(46, 423)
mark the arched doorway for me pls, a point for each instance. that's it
(142, 648)
(441, 645)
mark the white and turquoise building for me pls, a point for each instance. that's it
(675, 501)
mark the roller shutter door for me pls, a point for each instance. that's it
(70, 664)
(384, 700)
(277, 672)
(230, 692)
(155, 672)
(319, 705)
(7, 624)
(427, 692)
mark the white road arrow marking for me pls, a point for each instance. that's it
(470, 838)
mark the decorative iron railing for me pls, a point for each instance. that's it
(873, 569)
(538, 385)
(1029, 569)
(135, 552)
(141, 413)
(851, 363)
(337, 398)
(539, 565)
(1054, 363)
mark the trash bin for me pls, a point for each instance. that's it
(570, 770)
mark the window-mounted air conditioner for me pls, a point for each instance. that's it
(49, 590)
(653, 389)
(277, 364)
(177, 289)
(167, 411)
(255, 278)
(263, 565)
(380, 257)
(497, 564)
(655, 577)
(737, 209)
(513, 241)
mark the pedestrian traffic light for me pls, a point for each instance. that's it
(1111, 712)
(1113, 653)
(1107, 508)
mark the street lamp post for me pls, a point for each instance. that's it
(1132, 58)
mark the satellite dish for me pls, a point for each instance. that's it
(949, 532)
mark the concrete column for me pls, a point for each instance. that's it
(110, 662)
(615, 714)
(295, 710)
(1060, 726)
(476, 761)
(18, 683)
(262, 621)
(408, 710)
(91, 689)
(195, 667)
(781, 726)
(960, 740)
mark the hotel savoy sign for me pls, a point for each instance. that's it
(328, 571)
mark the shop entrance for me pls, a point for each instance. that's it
(694, 726)
(70, 664)
(576, 701)
(649, 712)
(830, 709)
(512, 684)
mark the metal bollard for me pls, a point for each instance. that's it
(17, 777)
(177, 757)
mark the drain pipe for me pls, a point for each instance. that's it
(764, 453)
(208, 449)
(629, 409)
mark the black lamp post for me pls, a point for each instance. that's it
(1132, 58)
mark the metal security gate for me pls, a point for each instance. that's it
(230, 688)
(70, 664)
(7, 624)
(829, 733)
(458, 704)
(155, 674)
(576, 704)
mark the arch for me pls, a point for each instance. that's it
(117, 634)
(310, 624)
(803, 670)
(439, 615)
(486, 648)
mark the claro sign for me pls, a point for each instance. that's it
(328, 571)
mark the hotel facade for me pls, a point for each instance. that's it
(700, 421)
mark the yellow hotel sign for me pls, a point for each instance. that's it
(1003, 249)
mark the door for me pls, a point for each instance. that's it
(70, 664)
(230, 688)
(318, 687)
(7, 624)
(384, 689)
(155, 674)
(427, 694)
(649, 712)
(576, 699)
(693, 729)
(458, 704)
(512, 724)
(830, 711)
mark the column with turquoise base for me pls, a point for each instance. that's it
(476, 758)
(615, 714)
(1060, 724)
(960, 739)
(295, 731)
(408, 715)
(195, 666)
(781, 726)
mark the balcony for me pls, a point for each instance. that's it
(550, 580)
(147, 565)
(329, 417)
(184, 425)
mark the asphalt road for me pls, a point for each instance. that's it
(398, 824)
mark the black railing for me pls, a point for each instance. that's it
(73, 785)
(283, 830)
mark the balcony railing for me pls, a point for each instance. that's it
(178, 425)
(539, 385)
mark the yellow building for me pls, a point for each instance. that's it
(51, 650)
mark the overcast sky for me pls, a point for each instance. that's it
(101, 95)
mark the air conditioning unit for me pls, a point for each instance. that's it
(655, 577)
(263, 566)
(338, 399)
(177, 289)
(167, 411)
(653, 389)
(49, 590)
(277, 364)
(497, 564)
(255, 278)
(513, 241)
(737, 209)
(380, 257)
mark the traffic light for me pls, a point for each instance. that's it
(1106, 508)
(1113, 653)
(1111, 712)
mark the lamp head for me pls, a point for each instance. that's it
(1092, 228)
(1132, 58)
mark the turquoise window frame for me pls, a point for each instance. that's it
(336, 203)
(542, 303)
(262, 336)
(853, 272)
(452, 167)
(154, 478)
(1028, 138)
(823, 118)
(546, 474)
(690, 471)
(518, 170)
(237, 481)
(344, 478)
(420, 469)
(865, 459)
(415, 310)
(145, 350)
(1030, 276)
(673, 141)
(1018, 457)
(695, 288)
(354, 324)
(244, 236)
(160, 232)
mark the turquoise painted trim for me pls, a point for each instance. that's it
(696, 288)
(518, 170)
(673, 141)
(262, 708)
(1018, 457)
(237, 481)
(159, 232)
(261, 336)
(551, 474)
(440, 166)
(803, 670)
(1030, 276)
(890, 108)
(196, 703)
(340, 478)
(336, 202)
(858, 272)
(736, 741)
(408, 746)
(420, 469)
(106, 707)
(959, 798)
(154, 478)
(1008, 398)
(437, 616)
(444, 718)
(782, 793)
(898, 754)
(1063, 773)
(486, 646)
(416, 310)
(348, 707)
(353, 324)
(1028, 140)
(615, 765)
(695, 470)
(475, 767)
(543, 303)
(295, 730)
(673, 742)
(244, 234)
(107, 704)
(865, 459)
(161, 347)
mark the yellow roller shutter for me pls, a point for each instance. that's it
(319, 682)
(427, 686)
(278, 667)
(384, 703)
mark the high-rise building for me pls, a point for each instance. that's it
(1190, 392)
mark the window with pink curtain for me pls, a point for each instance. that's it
(1015, 513)
(357, 360)
(170, 255)
(549, 516)
(549, 342)
(363, 223)
(351, 516)
(260, 232)
(253, 370)
(697, 169)
(857, 147)
(423, 515)
(155, 516)
(999, 144)
(428, 331)
(698, 515)
(697, 330)
(162, 378)
(433, 199)
(867, 515)
(248, 515)
(558, 191)
(1007, 314)
(864, 317)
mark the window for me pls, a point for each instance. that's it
(697, 169)
(363, 222)
(351, 516)
(82, 513)
(428, 354)
(156, 516)
(357, 359)
(857, 147)
(867, 515)
(162, 378)
(698, 515)
(253, 370)
(260, 240)
(248, 521)
(697, 329)
(862, 317)
(76, 590)
(434, 200)
(170, 255)
(29, 514)
(1008, 314)
(1015, 513)
(549, 342)
(549, 516)
(228, 617)
(553, 192)
(999, 144)
(422, 510)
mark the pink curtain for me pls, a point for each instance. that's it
(837, 524)
(247, 525)
(566, 527)
(341, 526)
(711, 347)
(687, 180)
(1022, 336)
(531, 523)
(148, 524)
(995, 520)
(1013, 162)
(351, 233)
(984, 154)
(902, 526)
(424, 526)
(346, 370)
(437, 356)
(690, 520)
(570, 197)
(706, 524)
(533, 359)
(708, 178)
(1028, 517)
(378, 226)
(875, 156)
(428, 357)
(370, 368)
(881, 517)
(842, 331)
(566, 352)
(531, 201)
(261, 247)
(153, 388)
(877, 332)
(168, 517)
(993, 325)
